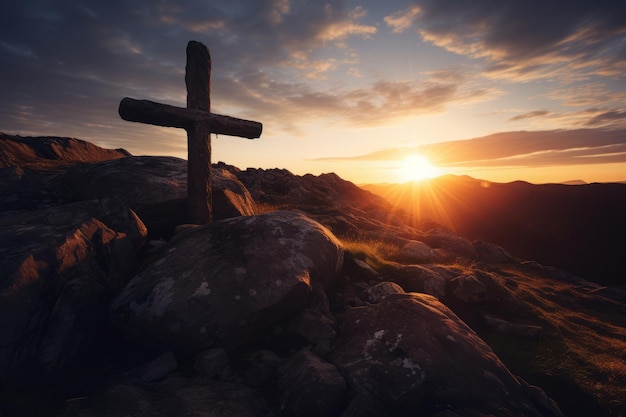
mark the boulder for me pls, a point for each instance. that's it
(60, 267)
(174, 397)
(226, 283)
(469, 289)
(414, 356)
(315, 323)
(25, 189)
(453, 244)
(155, 187)
(310, 387)
(380, 291)
(256, 368)
(416, 251)
(418, 278)
(230, 197)
(484, 289)
(492, 253)
(153, 371)
(211, 362)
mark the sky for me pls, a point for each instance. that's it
(500, 90)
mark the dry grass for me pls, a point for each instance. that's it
(584, 340)
(262, 208)
(375, 253)
(582, 350)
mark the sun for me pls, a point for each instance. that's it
(415, 168)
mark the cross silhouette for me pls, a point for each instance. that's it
(199, 123)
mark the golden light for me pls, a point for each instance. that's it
(415, 168)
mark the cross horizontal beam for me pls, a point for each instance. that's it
(146, 111)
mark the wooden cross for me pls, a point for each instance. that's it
(199, 123)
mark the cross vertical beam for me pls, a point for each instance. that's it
(199, 122)
(198, 82)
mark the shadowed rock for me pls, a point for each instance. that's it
(59, 268)
(225, 283)
(310, 387)
(415, 356)
(156, 188)
(175, 396)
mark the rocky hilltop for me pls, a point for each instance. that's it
(308, 296)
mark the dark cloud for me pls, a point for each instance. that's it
(522, 149)
(65, 65)
(530, 115)
(526, 39)
(608, 117)
(284, 103)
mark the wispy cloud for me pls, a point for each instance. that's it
(607, 117)
(530, 115)
(403, 19)
(523, 149)
(525, 40)
(381, 102)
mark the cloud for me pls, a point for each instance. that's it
(588, 94)
(282, 61)
(607, 117)
(55, 81)
(382, 102)
(526, 39)
(522, 149)
(530, 115)
(402, 20)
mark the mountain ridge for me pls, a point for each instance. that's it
(575, 227)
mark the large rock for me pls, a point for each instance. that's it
(155, 187)
(23, 189)
(225, 283)
(310, 387)
(59, 268)
(416, 251)
(174, 397)
(414, 356)
(230, 197)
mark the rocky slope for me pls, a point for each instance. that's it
(579, 228)
(308, 297)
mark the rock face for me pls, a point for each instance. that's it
(416, 357)
(156, 189)
(227, 282)
(340, 205)
(60, 267)
(175, 396)
(310, 387)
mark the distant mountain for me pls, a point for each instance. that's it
(574, 182)
(51, 152)
(579, 228)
